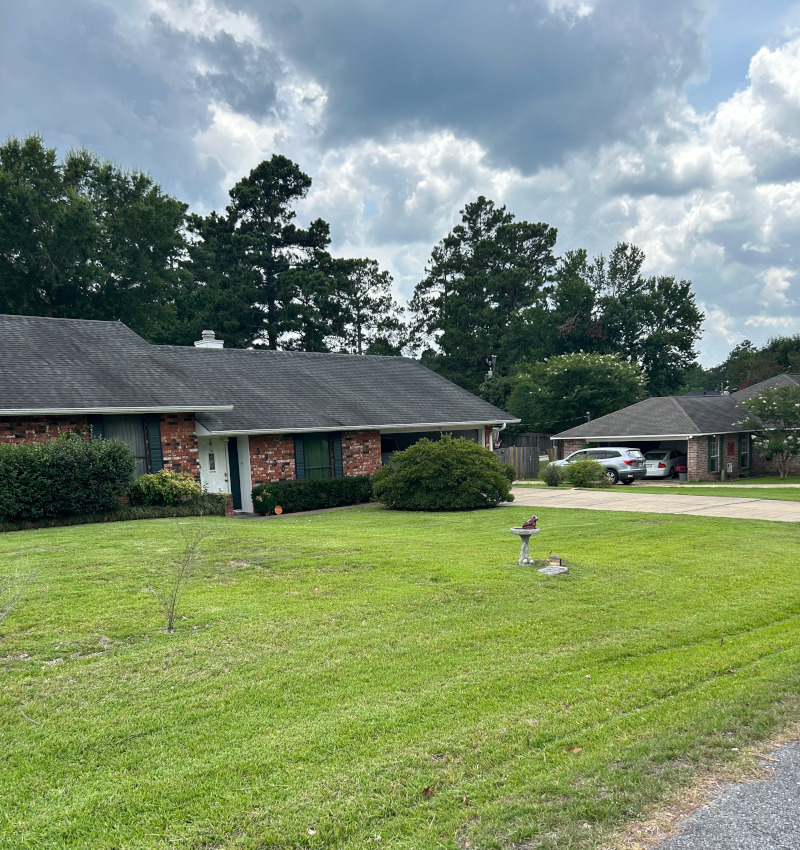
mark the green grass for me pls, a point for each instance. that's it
(362, 673)
(785, 494)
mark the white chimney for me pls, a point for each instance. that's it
(209, 341)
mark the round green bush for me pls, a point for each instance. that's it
(586, 472)
(551, 475)
(448, 475)
(165, 488)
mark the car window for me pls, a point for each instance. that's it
(634, 453)
(654, 455)
(596, 453)
(611, 453)
(577, 456)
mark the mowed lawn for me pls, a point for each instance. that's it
(365, 678)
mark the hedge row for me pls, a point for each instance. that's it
(63, 477)
(312, 495)
(210, 504)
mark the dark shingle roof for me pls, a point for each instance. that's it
(675, 416)
(76, 364)
(47, 365)
(293, 390)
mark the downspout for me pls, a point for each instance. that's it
(491, 441)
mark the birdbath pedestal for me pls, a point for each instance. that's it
(525, 536)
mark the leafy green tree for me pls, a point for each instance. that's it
(371, 320)
(560, 392)
(774, 417)
(483, 283)
(81, 238)
(653, 322)
(748, 364)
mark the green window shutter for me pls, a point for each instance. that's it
(96, 427)
(152, 424)
(710, 453)
(299, 457)
(338, 470)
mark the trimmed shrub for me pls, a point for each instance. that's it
(551, 475)
(586, 472)
(209, 504)
(312, 494)
(64, 476)
(448, 475)
(165, 488)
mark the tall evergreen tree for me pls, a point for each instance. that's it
(483, 281)
(371, 320)
(272, 274)
(653, 321)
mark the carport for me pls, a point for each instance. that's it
(704, 428)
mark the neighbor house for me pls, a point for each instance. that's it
(233, 418)
(703, 427)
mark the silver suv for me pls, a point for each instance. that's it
(621, 464)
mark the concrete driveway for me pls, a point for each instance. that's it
(621, 498)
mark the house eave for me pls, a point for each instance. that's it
(383, 428)
(73, 411)
(683, 436)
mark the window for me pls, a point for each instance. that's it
(744, 451)
(317, 452)
(318, 456)
(714, 453)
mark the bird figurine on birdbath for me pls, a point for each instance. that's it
(525, 531)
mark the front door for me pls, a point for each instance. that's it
(214, 475)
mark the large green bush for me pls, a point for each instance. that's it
(448, 475)
(311, 494)
(165, 488)
(586, 472)
(551, 475)
(61, 477)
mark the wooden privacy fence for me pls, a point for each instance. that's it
(524, 459)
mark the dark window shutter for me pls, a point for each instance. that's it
(299, 457)
(338, 471)
(96, 426)
(155, 456)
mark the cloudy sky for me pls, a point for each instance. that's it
(674, 125)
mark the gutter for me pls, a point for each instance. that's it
(397, 428)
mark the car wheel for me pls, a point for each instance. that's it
(627, 480)
(612, 476)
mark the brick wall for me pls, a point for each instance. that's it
(762, 466)
(568, 447)
(179, 443)
(271, 458)
(13, 430)
(361, 452)
(697, 458)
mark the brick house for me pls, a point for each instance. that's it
(704, 428)
(233, 418)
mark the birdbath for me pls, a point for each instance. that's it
(525, 531)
